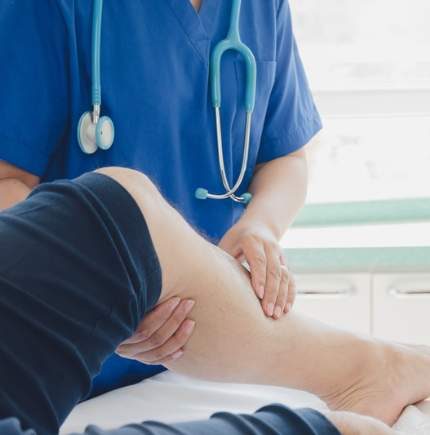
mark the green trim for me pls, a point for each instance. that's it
(362, 213)
(359, 260)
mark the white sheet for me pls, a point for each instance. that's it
(169, 397)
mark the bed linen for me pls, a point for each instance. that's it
(169, 397)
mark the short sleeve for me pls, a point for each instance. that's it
(33, 88)
(292, 118)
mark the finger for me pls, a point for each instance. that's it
(292, 292)
(240, 257)
(172, 346)
(235, 251)
(282, 259)
(162, 335)
(273, 279)
(256, 257)
(281, 300)
(154, 320)
(232, 249)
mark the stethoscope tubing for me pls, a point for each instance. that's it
(230, 191)
(96, 93)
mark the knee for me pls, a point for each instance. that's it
(130, 176)
(135, 182)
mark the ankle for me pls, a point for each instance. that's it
(367, 360)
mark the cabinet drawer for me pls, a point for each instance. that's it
(401, 308)
(338, 300)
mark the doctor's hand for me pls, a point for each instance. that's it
(162, 334)
(271, 280)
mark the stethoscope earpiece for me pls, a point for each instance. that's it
(246, 198)
(201, 193)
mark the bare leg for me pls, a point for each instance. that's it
(234, 341)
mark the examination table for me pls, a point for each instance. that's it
(169, 397)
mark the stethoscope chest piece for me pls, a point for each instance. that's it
(93, 136)
(105, 133)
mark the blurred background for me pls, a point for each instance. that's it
(368, 63)
(360, 248)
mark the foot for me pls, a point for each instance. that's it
(389, 378)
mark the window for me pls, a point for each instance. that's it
(368, 63)
(364, 44)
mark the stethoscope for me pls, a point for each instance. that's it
(98, 132)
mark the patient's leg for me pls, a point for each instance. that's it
(234, 341)
(77, 273)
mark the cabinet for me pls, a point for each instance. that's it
(401, 307)
(389, 306)
(341, 300)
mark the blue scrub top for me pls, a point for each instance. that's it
(155, 87)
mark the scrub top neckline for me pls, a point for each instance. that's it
(199, 9)
(195, 24)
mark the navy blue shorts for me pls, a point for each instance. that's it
(78, 271)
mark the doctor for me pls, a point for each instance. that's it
(156, 87)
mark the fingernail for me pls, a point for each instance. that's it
(174, 302)
(288, 307)
(260, 292)
(270, 308)
(121, 352)
(189, 304)
(140, 335)
(177, 354)
(278, 312)
(189, 326)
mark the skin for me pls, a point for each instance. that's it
(197, 4)
(233, 341)
(15, 184)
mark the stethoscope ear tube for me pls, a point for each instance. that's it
(202, 193)
(232, 42)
